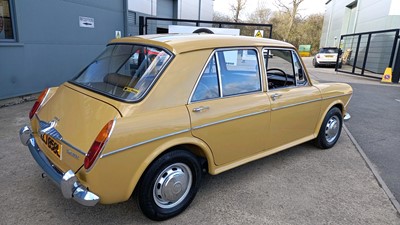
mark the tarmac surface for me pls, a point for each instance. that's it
(302, 185)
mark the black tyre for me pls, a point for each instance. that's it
(315, 64)
(330, 129)
(203, 31)
(169, 185)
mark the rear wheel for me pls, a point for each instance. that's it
(169, 185)
(315, 64)
(330, 129)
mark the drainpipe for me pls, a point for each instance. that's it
(125, 14)
(199, 10)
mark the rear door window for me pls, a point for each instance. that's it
(229, 72)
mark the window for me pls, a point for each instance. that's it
(283, 68)
(6, 22)
(124, 71)
(235, 71)
(299, 72)
(239, 71)
(207, 88)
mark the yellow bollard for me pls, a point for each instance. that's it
(387, 76)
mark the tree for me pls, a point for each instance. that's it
(261, 14)
(292, 10)
(311, 29)
(237, 8)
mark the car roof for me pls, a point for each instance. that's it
(180, 43)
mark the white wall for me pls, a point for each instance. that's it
(370, 15)
(187, 9)
(143, 6)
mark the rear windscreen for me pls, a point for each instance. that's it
(124, 71)
(328, 50)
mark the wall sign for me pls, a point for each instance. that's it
(86, 22)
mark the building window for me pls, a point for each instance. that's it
(6, 21)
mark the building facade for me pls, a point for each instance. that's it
(367, 32)
(356, 16)
(45, 43)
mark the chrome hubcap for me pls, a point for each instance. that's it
(172, 185)
(332, 129)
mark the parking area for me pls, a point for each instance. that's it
(302, 185)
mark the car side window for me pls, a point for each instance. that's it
(280, 68)
(239, 71)
(229, 72)
(299, 71)
(208, 85)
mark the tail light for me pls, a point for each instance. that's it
(38, 103)
(318, 56)
(98, 145)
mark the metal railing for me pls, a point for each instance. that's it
(369, 53)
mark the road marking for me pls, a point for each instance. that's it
(397, 100)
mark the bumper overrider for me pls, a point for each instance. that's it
(68, 183)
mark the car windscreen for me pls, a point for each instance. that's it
(124, 71)
(328, 50)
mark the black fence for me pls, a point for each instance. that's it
(369, 53)
(155, 25)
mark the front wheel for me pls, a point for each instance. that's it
(169, 185)
(330, 129)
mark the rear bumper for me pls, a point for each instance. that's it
(67, 182)
(330, 63)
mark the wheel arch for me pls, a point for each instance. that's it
(193, 145)
(338, 104)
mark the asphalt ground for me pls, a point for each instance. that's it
(375, 124)
(302, 185)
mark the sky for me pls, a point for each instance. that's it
(306, 8)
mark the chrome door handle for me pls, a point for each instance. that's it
(275, 96)
(201, 109)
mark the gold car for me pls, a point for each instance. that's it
(152, 113)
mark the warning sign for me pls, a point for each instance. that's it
(258, 33)
(387, 76)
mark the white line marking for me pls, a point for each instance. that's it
(397, 100)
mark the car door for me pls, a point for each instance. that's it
(228, 108)
(295, 103)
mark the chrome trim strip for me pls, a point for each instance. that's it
(306, 102)
(336, 96)
(143, 142)
(296, 104)
(218, 67)
(73, 147)
(230, 119)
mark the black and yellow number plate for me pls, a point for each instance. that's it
(52, 144)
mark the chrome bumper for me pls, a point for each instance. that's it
(346, 117)
(68, 183)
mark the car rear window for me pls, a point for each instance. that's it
(124, 71)
(328, 50)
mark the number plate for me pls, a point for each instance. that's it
(52, 144)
